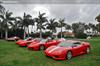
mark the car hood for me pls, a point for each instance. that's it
(34, 43)
(55, 49)
(21, 41)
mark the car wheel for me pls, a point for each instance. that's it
(69, 55)
(88, 50)
(41, 47)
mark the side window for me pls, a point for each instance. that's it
(77, 43)
(49, 40)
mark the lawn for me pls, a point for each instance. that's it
(13, 55)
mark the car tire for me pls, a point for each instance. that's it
(88, 50)
(69, 55)
(42, 47)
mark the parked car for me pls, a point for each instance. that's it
(67, 49)
(15, 38)
(26, 41)
(43, 44)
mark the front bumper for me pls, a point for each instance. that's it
(55, 56)
(22, 44)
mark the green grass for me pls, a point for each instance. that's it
(13, 55)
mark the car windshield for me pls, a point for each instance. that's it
(67, 44)
(43, 40)
(27, 39)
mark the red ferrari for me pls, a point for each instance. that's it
(67, 49)
(26, 41)
(43, 44)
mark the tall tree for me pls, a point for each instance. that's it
(1, 29)
(28, 21)
(98, 18)
(51, 25)
(25, 22)
(61, 24)
(93, 27)
(75, 26)
(98, 25)
(6, 18)
(41, 22)
(2, 9)
(78, 27)
(86, 26)
(15, 25)
(68, 27)
(32, 23)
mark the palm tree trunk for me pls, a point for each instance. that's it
(40, 33)
(6, 34)
(61, 32)
(52, 34)
(28, 30)
(32, 28)
(1, 34)
(24, 33)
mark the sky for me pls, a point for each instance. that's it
(72, 10)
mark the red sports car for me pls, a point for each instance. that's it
(67, 49)
(43, 44)
(26, 41)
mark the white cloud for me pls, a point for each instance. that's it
(72, 12)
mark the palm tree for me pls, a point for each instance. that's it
(32, 23)
(28, 21)
(15, 24)
(25, 22)
(61, 24)
(6, 18)
(51, 25)
(41, 20)
(1, 28)
(2, 9)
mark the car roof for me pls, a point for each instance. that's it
(72, 41)
(68, 43)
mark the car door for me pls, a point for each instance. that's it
(50, 43)
(77, 48)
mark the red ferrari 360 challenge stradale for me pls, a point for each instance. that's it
(26, 41)
(67, 49)
(43, 44)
